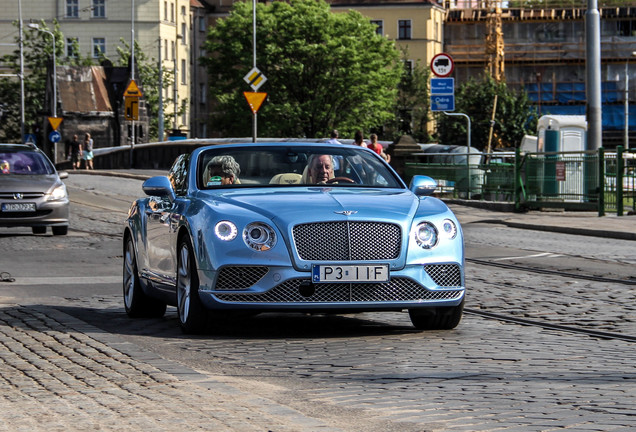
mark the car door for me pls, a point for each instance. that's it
(162, 219)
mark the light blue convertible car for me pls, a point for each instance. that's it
(291, 227)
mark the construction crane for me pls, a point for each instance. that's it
(494, 40)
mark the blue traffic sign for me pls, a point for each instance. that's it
(443, 103)
(55, 137)
(442, 86)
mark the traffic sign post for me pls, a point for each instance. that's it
(131, 105)
(442, 86)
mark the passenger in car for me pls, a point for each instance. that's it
(4, 167)
(222, 170)
(319, 169)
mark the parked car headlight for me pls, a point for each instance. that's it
(259, 236)
(225, 230)
(58, 193)
(450, 229)
(425, 235)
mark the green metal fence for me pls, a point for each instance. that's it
(568, 180)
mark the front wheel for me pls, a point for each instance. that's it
(192, 313)
(437, 318)
(136, 302)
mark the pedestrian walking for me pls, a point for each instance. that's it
(74, 152)
(88, 151)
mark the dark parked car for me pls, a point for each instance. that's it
(32, 193)
(291, 227)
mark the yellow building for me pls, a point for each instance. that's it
(415, 25)
(162, 29)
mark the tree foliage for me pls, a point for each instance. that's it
(325, 70)
(413, 107)
(37, 54)
(514, 117)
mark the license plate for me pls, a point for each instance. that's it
(350, 273)
(18, 207)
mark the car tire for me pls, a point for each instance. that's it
(60, 230)
(136, 302)
(439, 318)
(192, 314)
(38, 230)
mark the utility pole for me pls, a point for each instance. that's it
(593, 76)
(161, 126)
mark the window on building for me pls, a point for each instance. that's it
(183, 33)
(380, 26)
(183, 10)
(99, 9)
(171, 12)
(165, 11)
(174, 56)
(72, 47)
(202, 94)
(202, 24)
(408, 66)
(165, 46)
(72, 8)
(183, 74)
(99, 47)
(404, 29)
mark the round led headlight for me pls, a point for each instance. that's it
(425, 235)
(225, 230)
(450, 229)
(259, 236)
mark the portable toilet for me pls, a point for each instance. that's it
(562, 178)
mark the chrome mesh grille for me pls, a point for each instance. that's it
(25, 195)
(445, 275)
(396, 290)
(232, 278)
(347, 241)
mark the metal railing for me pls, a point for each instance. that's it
(568, 180)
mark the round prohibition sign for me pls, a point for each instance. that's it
(442, 65)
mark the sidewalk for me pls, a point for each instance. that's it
(580, 223)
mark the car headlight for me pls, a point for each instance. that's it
(259, 236)
(225, 230)
(58, 193)
(450, 229)
(425, 235)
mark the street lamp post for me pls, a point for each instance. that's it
(36, 26)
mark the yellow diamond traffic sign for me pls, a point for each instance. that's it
(255, 78)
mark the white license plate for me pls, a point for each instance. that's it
(18, 207)
(350, 273)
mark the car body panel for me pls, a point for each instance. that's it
(234, 276)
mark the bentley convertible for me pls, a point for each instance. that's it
(291, 227)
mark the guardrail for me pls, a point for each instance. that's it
(568, 180)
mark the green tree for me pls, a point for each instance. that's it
(37, 54)
(325, 70)
(413, 108)
(514, 116)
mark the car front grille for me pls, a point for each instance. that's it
(347, 241)
(239, 277)
(25, 195)
(445, 275)
(396, 290)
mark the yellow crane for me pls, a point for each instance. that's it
(494, 40)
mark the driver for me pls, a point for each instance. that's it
(320, 169)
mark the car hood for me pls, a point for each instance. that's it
(301, 205)
(28, 183)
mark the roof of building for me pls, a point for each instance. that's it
(83, 89)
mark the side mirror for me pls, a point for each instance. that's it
(62, 175)
(159, 186)
(422, 185)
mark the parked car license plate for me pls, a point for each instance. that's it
(18, 207)
(350, 273)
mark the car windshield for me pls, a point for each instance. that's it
(24, 163)
(293, 166)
